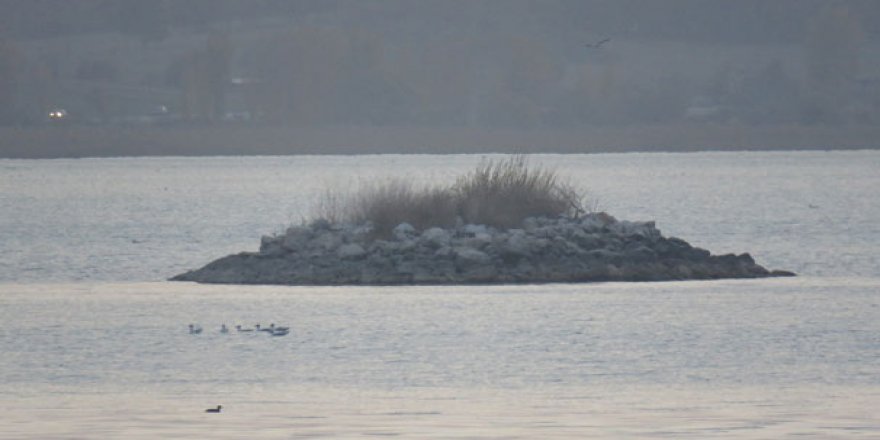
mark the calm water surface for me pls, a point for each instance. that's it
(94, 343)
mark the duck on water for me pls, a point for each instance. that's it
(272, 329)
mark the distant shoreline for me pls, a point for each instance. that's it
(77, 141)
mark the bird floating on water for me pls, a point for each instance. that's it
(214, 410)
(281, 331)
(224, 329)
(276, 331)
(272, 329)
(194, 329)
(268, 329)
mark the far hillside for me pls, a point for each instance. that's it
(454, 66)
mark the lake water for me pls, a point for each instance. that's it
(94, 342)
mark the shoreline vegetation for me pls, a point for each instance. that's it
(498, 194)
(77, 141)
(505, 222)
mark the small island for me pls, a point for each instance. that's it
(504, 223)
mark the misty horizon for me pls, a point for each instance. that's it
(793, 68)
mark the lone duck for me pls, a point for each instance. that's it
(214, 410)
(194, 329)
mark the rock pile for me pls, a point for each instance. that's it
(595, 247)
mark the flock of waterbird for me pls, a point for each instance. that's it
(272, 329)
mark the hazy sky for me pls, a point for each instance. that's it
(486, 65)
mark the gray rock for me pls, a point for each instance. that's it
(444, 252)
(403, 231)
(470, 256)
(436, 237)
(327, 241)
(642, 229)
(517, 243)
(530, 224)
(407, 245)
(358, 234)
(478, 274)
(320, 224)
(351, 251)
(596, 221)
(595, 247)
(478, 241)
(271, 245)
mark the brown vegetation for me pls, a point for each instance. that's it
(504, 193)
(497, 193)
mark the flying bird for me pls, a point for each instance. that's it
(597, 44)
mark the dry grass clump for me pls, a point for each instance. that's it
(503, 194)
(500, 194)
(388, 204)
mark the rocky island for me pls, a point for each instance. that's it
(595, 247)
(505, 223)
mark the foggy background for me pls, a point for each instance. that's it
(165, 76)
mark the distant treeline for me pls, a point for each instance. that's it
(494, 64)
(114, 141)
(715, 21)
